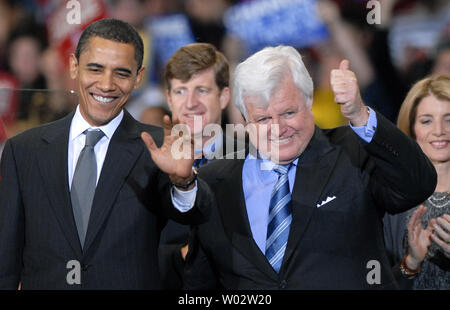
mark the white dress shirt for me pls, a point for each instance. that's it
(183, 201)
(77, 140)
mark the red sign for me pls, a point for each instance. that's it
(64, 31)
(8, 102)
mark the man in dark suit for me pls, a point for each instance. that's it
(58, 233)
(305, 210)
(197, 91)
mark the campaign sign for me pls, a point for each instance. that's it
(261, 23)
(64, 30)
(169, 33)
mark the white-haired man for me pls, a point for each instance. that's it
(305, 211)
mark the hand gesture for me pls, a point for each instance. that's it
(442, 237)
(346, 93)
(175, 156)
(418, 238)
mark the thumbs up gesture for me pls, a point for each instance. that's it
(346, 93)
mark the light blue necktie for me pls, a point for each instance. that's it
(84, 183)
(280, 218)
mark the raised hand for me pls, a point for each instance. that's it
(346, 93)
(175, 156)
(418, 238)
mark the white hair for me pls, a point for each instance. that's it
(260, 75)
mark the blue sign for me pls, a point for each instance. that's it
(261, 23)
(169, 33)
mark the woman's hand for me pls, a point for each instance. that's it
(418, 238)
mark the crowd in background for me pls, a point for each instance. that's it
(411, 41)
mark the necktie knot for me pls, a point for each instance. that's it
(281, 169)
(204, 160)
(200, 161)
(93, 136)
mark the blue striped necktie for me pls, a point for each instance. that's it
(280, 218)
(200, 162)
(203, 160)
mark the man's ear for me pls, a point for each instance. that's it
(310, 103)
(139, 77)
(73, 66)
(168, 98)
(224, 98)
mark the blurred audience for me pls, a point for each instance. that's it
(387, 57)
(32, 66)
(147, 103)
(441, 59)
(25, 46)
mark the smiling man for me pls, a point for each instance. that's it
(107, 72)
(82, 200)
(309, 217)
(197, 91)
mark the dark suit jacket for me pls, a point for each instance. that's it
(174, 235)
(328, 247)
(38, 234)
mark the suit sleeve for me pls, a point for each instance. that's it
(171, 265)
(394, 231)
(198, 272)
(199, 212)
(401, 176)
(11, 221)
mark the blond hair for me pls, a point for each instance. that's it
(438, 86)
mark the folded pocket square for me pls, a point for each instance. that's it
(326, 201)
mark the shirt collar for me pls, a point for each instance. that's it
(79, 125)
(264, 167)
(265, 163)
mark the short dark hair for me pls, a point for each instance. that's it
(114, 30)
(193, 58)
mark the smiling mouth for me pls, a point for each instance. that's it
(193, 115)
(102, 99)
(280, 141)
(439, 144)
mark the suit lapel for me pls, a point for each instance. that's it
(53, 166)
(123, 151)
(234, 216)
(313, 171)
